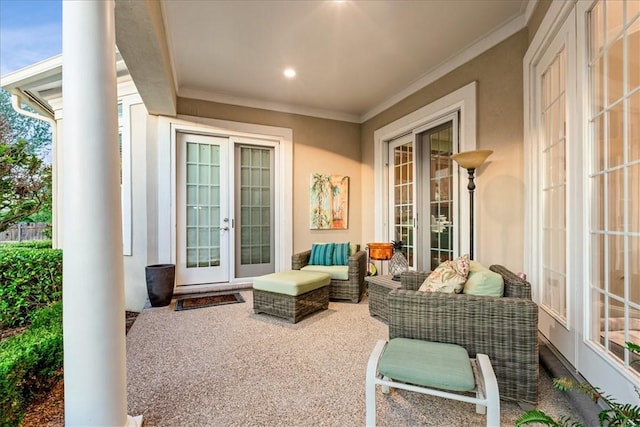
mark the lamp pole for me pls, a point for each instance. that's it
(471, 160)
(471, 186)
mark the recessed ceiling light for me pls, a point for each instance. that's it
(289, 73)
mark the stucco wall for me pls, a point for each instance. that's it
(500, 183)
(319, 145)
(134, 273)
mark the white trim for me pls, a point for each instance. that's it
(551, 24)
(36, 71)
(462, 100)
(282, 137)
(529, 9)
(125, 190)
(481, 46)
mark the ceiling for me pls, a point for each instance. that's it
(352, 58)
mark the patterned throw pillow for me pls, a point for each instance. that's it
(321, 254)
(448, 277)
(341, 252)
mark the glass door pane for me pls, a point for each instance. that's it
(203, 205)
(255, 205)
(403, 197)
(553, 188)
(438, 143)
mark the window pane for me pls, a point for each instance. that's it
(614, 71)
(634, 201)
(597, 261)
(615, 200)
(596, 25)
(633, 124)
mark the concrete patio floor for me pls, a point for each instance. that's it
(226, 366)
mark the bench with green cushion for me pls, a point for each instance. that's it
(433, 368)
(291, 294)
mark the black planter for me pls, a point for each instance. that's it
(160, 283)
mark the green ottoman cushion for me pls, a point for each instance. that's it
(429, 364)
(291, 282)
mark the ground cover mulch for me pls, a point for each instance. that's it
(49, 411)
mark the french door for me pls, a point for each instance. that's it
(421, 193)
(558, 315)
(203, 216)
(585, 153)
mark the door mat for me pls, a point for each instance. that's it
(201, 301)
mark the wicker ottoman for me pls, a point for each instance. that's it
(291, 294)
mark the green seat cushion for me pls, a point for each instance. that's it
(337, 272)
(291, 282)
(429, 364)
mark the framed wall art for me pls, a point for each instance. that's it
(329, 202)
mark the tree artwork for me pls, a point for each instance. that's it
(329, 202)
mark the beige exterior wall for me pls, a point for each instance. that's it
(500, 190)
(141, 184)
(319, 145)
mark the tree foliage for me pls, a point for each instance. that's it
(25, 181)
(35, 132)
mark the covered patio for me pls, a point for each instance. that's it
(226, 366)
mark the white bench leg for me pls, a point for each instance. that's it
(488, 378)
(370, 385)
(385, 388)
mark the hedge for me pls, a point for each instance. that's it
(27, 244)
(30, 363)
(29, 279)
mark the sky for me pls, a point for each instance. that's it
(30, 32)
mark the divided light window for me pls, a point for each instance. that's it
(554, 187)
(614, 175)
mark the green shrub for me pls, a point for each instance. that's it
(30, 244)
(30, 363)
(29, 279)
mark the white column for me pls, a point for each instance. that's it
(93, 293)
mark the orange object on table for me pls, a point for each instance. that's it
(380, 251)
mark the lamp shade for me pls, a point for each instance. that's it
(471, 159)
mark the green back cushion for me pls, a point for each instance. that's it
(429, 364)
(483, 282)
(341, 252)
(321, 254)
(354, 248)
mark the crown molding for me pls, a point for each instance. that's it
(267, 105)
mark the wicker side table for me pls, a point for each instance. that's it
(379, 287)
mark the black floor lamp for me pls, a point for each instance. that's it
(471, 160)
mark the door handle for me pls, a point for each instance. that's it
(220, 228)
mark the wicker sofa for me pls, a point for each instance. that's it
(506, 329)
(351, 289)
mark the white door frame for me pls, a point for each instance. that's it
(463, 101)
(165, 147)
